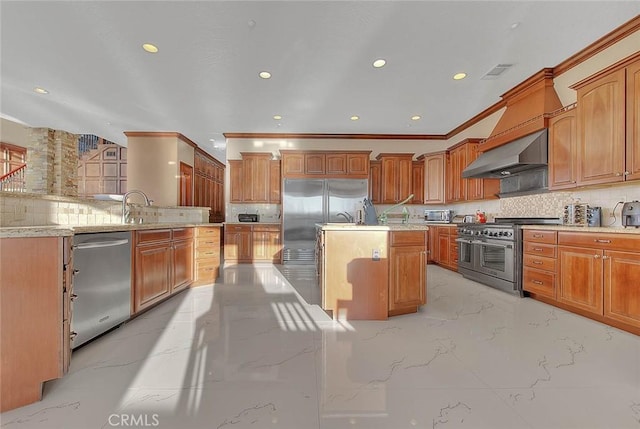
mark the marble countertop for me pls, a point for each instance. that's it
(69, 230)
(387, 227)
(252, 223)
(601, 229)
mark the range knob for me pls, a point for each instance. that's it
(508, 233)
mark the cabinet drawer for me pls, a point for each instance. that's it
(539, 282)
(408, 238)
(208, 231)
(600, 240)
(237, 228)
(540, 262)
(180, 233)
(443, 230)
(152, 235)
(540, 249)
(207, 252)
(205, 242)
(540, 236)
(206, 271)
(266, 228)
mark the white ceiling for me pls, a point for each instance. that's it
(204, 80)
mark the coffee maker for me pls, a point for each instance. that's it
(631, 214)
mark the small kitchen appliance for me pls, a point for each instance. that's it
(631, 214)
(438, 216)
(248, 217)
(580, 214)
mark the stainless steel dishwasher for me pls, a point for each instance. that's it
(101, 283)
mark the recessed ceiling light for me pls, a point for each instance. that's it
(39, 90)
(459, 76)
(416, 117)
(277, 117)
(212, 140)
(515, 25)
(379, 63)
(355, 117)
(152, 49)
(264, 74)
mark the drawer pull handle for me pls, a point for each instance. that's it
(538, 262)
(73, 297)
(596, 256)
(538, 282)
(537, 249)
(73, 334)
(597, 240)
(538, 235)
(605, 257)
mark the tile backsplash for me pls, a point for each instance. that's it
(267, 212)
(39, 210)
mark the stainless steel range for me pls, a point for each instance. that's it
(491, 253)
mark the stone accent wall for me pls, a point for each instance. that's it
(39, 175)
(65, 165)
(52, 162)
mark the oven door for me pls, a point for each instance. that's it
(465, 253)
(495, 258)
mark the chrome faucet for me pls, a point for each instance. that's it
(125, 210)
(347, 216)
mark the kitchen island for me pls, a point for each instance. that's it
(371, 272)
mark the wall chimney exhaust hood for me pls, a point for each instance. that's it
(525, 153)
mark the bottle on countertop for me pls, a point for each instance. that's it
(480, 217)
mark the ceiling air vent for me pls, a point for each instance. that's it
(495, 72)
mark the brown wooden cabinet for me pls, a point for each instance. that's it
(479, 189)
(252, 243)
(608, 144)
(395, 174)
(443, 246)
(539, 262)
(562, 150)
(208, 188)
(434, 177)
(35, 313)
(407, 271)
(432, 248)
(162, 265)
(417, 182)
(255, 179)
(375, 184)
(598, 274)
(456, 185)
(207, 255)
(325, 164)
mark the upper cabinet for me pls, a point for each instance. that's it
(208, 188)
(395, 172)
(562, 150)
(325, 164)
(456, 185)
(608, 120)
(375, 181)
(251, 178)
(479, 189)
(434, 171)
(417, 182)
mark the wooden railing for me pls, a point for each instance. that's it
(14, 181)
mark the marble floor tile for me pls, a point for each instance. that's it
(255, 350)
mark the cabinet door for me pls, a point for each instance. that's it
(375, 178)
(562, 150)
(601, 125)
(405, 166)
(633, 122)
(432, 253)
(475, 187)
(152, 274)
(231, 245)
(292, 164)
(389, 178)
(182, 264)
(580, 278)
(622, 287)
(453, 252)
(256, 182)
(358, 164)
(443, 248)
(434, 173)
(261, 246)
(336, 164)
(236, 177)
(407, 277)
(275, 246)
(315, 163)
(417, 182)
(275, 182)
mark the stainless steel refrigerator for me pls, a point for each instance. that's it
(307, 202)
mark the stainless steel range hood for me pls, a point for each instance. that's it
(525, 153)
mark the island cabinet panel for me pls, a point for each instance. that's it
(580, 283)
(354, 285)
(32, 341)
(407, 271)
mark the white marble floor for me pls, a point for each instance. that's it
(254, 352)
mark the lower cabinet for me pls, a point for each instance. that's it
(163, 265)
(35, 313)
(207, 255)
(252, 243)
(443, 247)
(598, 275)
(539, 262)
(407, 271)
